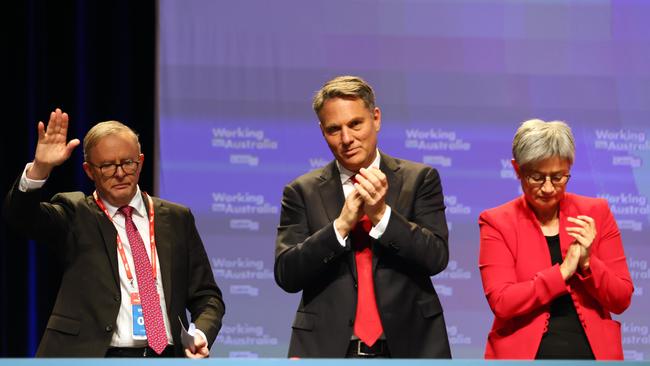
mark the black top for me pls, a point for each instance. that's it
(565, 338)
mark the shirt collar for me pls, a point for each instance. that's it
(136, 202)
(346, 174)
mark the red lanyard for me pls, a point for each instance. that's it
(120, 246)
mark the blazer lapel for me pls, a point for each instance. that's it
(390, 167)
(531, 238)
(109, 237)
(566, 210)
(332, 199)
(331, 191)
(162, 226)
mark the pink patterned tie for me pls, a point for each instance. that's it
(153, 319)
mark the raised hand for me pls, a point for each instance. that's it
(52, 149)
(584, 234)
(372, 186)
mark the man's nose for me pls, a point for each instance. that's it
(119, 171)
(346, 136)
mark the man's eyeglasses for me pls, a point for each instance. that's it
(109, 170)
(538, 180)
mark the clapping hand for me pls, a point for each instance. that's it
(570, 264)
(372, 186)
(584, 234)
(350, 214)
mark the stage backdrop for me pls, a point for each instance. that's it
(453, 80)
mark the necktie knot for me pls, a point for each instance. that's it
(127, 211)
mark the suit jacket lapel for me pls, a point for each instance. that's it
(331, 191)
(109, 237)
(162, 226)
(390, 167)
(332, 199)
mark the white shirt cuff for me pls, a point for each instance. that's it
(338, 236)
(200, 332)
(375, 232)
(378, 230)
(26, 184)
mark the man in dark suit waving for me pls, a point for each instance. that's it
(132, 263)
(360, 238)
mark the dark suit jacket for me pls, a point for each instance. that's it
(309, 258)
(85, 312)
(520, 282)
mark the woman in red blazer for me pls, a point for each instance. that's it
(552, 262)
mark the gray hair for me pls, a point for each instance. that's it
(103, 129)
(347, 87)
(537, 140)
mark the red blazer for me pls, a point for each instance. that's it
(520, 283)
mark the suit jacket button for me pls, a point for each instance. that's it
(351, 322)
(109, 328)
(116, 298)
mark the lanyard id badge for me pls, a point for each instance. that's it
(138, 317)
(139, 331)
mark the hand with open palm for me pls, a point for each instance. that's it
(52, 149)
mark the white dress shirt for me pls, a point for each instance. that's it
(378, 230)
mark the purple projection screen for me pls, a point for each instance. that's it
(453, 79)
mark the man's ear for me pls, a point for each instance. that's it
(87, 169)
(376, 116)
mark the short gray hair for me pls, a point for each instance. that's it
(537, 140)
(103, 129)
(347, 87)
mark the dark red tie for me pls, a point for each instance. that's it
(367, 324)
(154, 324)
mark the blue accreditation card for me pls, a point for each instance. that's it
(138, 317)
